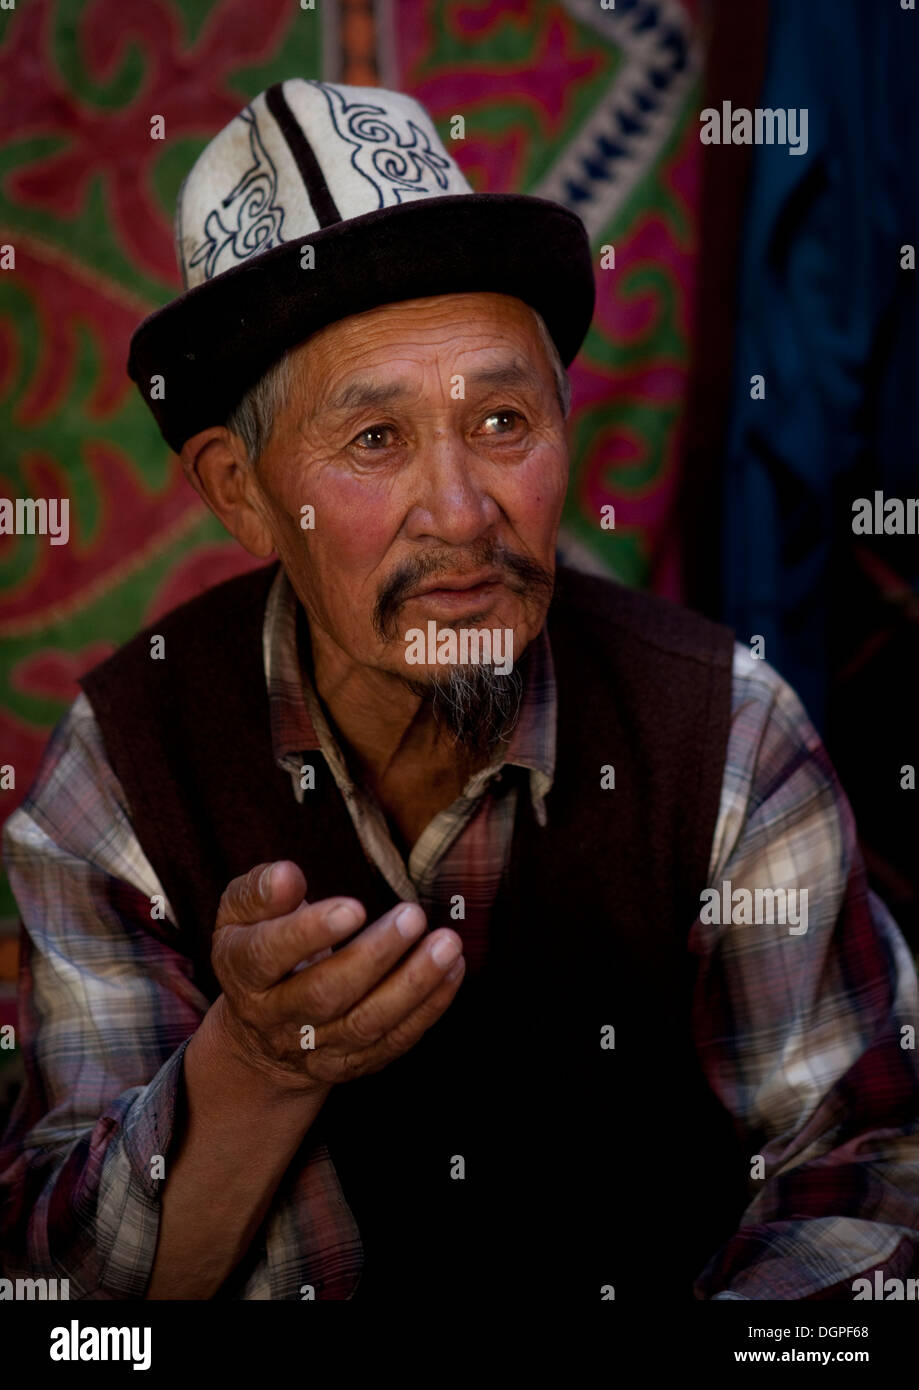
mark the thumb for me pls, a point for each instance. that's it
(267, 890)
(280, 884)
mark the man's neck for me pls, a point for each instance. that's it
(389, 736)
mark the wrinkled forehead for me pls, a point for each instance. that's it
(490, 332)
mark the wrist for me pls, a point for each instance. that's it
(229, 1048)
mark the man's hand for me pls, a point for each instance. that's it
(272, 953)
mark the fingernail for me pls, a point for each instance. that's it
(455, 970)
(264, 882)
(444, 951)
(410, 920)
(343, 916)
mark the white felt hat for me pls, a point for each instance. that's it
(321, 200)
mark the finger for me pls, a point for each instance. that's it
(406, 1033)
(402, 991)
(332, 986)
(311, 960)
(258, 957)
(267, 890)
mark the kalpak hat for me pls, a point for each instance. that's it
(321, 200)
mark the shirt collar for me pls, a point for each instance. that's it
(298, 724)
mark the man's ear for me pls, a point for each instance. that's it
(215, 463)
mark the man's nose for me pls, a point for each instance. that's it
(452, 497)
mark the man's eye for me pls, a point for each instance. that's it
(507, 421)
(373, 437)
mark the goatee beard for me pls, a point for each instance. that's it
(478, 707)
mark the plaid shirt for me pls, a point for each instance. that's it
(800, 1035)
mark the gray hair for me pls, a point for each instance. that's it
(253, 419)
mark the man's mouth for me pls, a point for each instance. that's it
(464, 584)
(464, 594)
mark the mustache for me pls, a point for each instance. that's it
(522, 575)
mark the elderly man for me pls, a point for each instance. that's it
(353, 974)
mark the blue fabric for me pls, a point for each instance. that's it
(830, 319)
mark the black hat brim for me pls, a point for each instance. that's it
(214, 341)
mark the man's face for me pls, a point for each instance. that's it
(428, 438)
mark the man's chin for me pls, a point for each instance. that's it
(476, 706)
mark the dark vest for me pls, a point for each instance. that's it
(585, 1166)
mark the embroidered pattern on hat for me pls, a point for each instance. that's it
(251, 220)
(395, 162)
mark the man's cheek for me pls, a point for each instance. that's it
(355, 544)
(543, 483)
(355, 510)
(535, 514)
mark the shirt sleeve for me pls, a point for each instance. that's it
(107, 1004)
(806, 1025)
